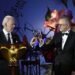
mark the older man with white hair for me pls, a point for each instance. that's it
(7, 36)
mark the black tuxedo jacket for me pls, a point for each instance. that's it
(67, 55)
(3, 39)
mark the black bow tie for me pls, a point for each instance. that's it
(64, 34)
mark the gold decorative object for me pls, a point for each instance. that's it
(11, 54)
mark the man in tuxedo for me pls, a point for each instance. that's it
(63, 44)
(7, 37)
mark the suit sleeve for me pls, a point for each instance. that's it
(50, 46)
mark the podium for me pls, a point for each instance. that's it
(12, 53)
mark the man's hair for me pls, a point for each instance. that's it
(6, 19)
(68, 13)
(67, 20)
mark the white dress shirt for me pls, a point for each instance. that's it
(6, 35)
(64, 38)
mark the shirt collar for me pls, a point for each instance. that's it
(5, 32)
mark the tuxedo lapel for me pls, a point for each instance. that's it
(15, 38)
(4, 38)
(68, 41)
